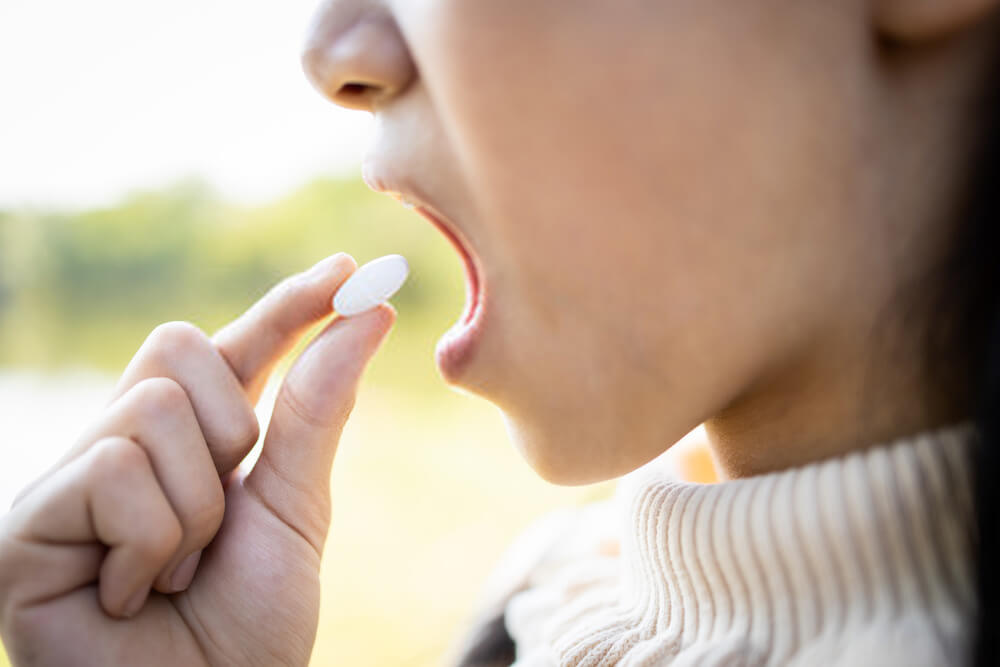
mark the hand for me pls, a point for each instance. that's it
(150, 497)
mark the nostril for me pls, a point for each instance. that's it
(354, 89)
(358, 64)
(355, 95)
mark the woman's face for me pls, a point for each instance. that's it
(678, 210)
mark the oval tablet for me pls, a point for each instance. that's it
(371, 285)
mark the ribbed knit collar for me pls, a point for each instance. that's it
(769, 565)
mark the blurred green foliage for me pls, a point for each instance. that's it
(85, 288)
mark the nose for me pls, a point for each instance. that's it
(356, 56)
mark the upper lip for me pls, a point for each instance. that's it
(380, 181)
(408, 192)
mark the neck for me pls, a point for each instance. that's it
(828, 408)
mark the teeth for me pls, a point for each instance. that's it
(407, 204)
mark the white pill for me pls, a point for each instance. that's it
(371, 285)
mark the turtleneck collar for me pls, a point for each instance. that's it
(779, 567)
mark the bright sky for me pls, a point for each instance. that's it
(100, 97)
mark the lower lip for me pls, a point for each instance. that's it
(455, 349)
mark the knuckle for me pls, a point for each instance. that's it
(205, 516)
(318, 415)
(241, 432)
(115, 459)
(251, 430)
(175, 339)
(290, 290)
(308, 412)
(156, 398)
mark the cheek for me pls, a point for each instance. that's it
(681, 154)
(652, 184)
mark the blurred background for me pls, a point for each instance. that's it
(163, 161)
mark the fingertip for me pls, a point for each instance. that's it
(134, 604)
(339, 263)
(388, 313)
(345, 261)
(255, 341)
(382, 318)
(127, 606)
(385, 315)
(326, 276)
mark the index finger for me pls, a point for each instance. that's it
(253, 343)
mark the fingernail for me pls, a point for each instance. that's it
(184, 574)
(135, 603)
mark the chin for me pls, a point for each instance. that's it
(556, 455)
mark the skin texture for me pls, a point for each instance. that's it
(685, 212)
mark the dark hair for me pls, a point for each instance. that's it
(961, 350)
(489, 645)
(956, 304)
(973, 285)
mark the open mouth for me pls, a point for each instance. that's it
(473, 282)
(456, 349)
(471, 273)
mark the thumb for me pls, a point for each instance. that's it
(292, 476)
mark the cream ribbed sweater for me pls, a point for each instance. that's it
(862, 560)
